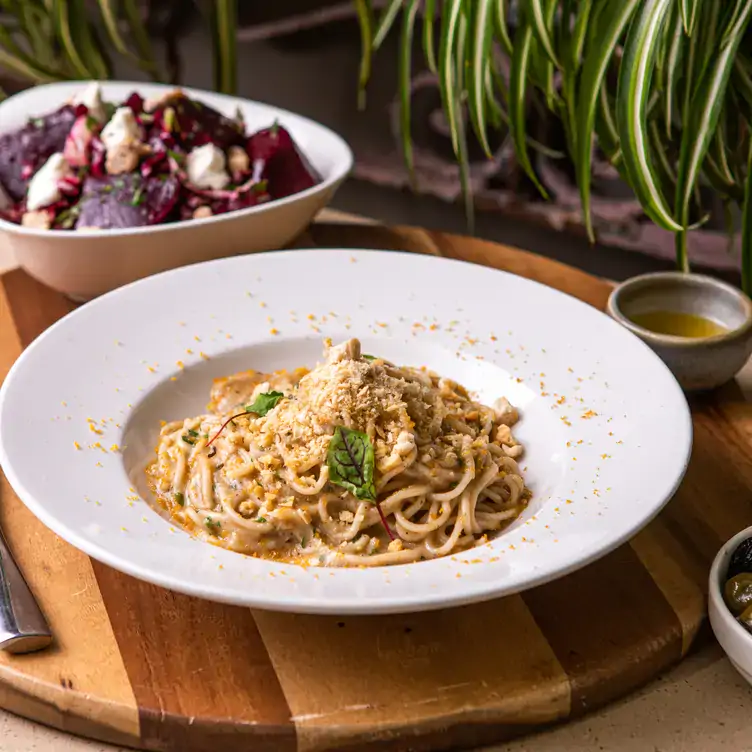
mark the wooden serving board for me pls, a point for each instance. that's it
(141, 666)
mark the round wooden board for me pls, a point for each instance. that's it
(145, 667)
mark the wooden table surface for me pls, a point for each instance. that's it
(700, 705)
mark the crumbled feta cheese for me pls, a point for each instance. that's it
(122, 129)
(91, 98)
(43, 188)
(38, 220)
(206, 167)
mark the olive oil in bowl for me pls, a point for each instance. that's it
(678, 324)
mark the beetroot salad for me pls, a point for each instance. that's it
(96, 165)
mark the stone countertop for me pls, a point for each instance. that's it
(702, 705)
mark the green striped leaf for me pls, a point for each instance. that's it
(612, 23)
(672, 70)
(451, 16)
(502, 28)
(137, 30)
(385, 23)
(702, 121)
(109, 15)
(688, 15)
(225, 47)
(405, 73)
(429, 44)
(541, 14)
(523, 42)
(482, 36)
(84, 40)
(633, 93)
(459, 126)
(747, 229)
(63, 29)
(365, 24)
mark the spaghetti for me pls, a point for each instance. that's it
(357, 462)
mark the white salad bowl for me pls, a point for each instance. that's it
(83, 265)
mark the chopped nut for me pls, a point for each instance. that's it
(168, 97)
(39, 220)
(202, 212)
(122, 159)
(238, 160)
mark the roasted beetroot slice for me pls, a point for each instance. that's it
(31, 146)
(275, 157)
(117, 202)
(243, 200)
(198, 124)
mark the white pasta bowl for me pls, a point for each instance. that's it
(605, 426)
(84, 265)
(735, 640)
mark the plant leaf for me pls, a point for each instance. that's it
(15, 59)
(132, 15)
(385, 23)
(688, 15)
(365, 23)
(225, 47)
(109, 16)
(264, 403)
(482, 36)
(523, 41)
(405, 70)
(671, 70)
(350, 460)
(632, 98)
(541, 14)
(502, 28)
(84, 39)
(463, 155)
(63, 30)
(747, 228)
(612, 23)
(451, 14)
(702, 121)
(429, 46)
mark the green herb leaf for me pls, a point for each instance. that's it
(187, 439)
(264, 403)
(262, 520)
(351, 462)
(179, 498)
(366, 356)
(138, 198)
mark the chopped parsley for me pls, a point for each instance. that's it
(138, 198)
(187, 439)
(262, 520)
(179, 498)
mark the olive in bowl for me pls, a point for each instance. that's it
(730, 601)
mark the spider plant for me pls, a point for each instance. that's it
(663, 87)
(54, 40)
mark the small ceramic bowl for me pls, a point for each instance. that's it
(697, 363)
(735, 640)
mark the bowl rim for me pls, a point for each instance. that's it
(739, 333)
(342, 168)
(715, 596)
